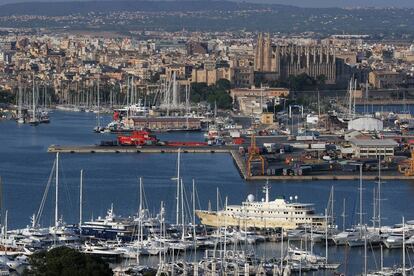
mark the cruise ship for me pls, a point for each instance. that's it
(277, 213)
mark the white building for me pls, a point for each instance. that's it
(366, 124)
(365, 148)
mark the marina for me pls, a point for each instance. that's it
(176, 138)
(123, 181)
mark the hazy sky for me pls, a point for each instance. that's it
(302, 3)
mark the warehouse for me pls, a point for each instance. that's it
(364, 148)
(164, 123)
(366, 124)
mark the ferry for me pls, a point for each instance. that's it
(278, 213)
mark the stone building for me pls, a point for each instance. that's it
(281, 61)
(211, 76)
(264, 60)
(243, 76)
(385, 79)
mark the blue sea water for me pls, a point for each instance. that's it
(25, 167)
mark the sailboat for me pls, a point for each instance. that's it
(98, 127)
(34, 121)
(20, 118)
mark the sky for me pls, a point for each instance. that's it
(300, 3)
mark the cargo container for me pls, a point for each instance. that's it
(306, 138)
(238, 141)
(234, 133)
(317, 146)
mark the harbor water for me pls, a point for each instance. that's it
(25, 167)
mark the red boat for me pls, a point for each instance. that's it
(186, 144)
(137, 138)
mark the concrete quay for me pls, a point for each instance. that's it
(239, 161)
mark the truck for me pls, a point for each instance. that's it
(270, 147)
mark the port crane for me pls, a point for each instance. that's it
(254, 156)
(409, 170)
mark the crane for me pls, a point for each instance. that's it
(254, 155)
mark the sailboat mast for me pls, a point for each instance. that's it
(332, 204)
(20, 98)
(178, 188)
(365, 252)
(99, 108)
(379, 193)
(281, 250)
(34, 104)
(403, 248)
(80, 198)
(194, 223)
(182, 210)
(360, 196)
(140, 215)
(343, 215)
(5, 224)
(57, 192)
(326, 236)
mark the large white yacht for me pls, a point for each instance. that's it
(277, 213)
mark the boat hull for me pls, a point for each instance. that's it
(214, 220)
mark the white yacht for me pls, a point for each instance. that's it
(110, 227)
(264, 214)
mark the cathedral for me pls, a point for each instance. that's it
(281, 61)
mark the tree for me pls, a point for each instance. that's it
(224, 83)
(320, 81)
(7, 97)
(213, 94)
(64, 261)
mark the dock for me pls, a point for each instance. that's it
(238, 160)
(133, 149)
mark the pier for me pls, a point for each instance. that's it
(238, 159)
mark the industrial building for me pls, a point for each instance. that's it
(366, 148)
(164, 123)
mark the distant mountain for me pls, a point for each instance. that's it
(84, 7)
(339, 3)
(210, 16)
(298, 3)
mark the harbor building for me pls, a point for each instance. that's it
(366, 148)
(265, 92)
(164, 123)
